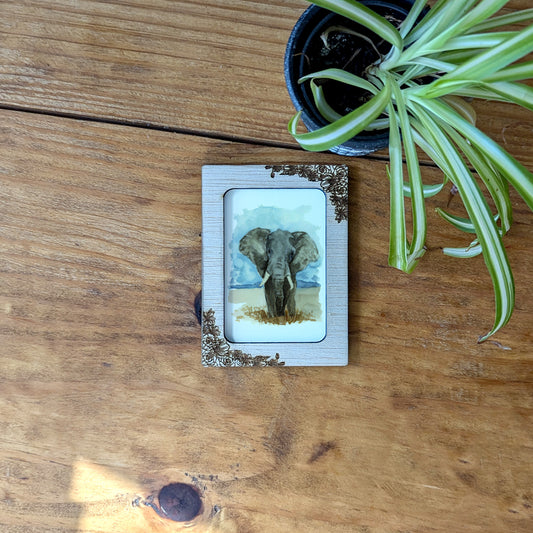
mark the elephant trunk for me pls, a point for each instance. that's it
(279, 296)
(281, 284)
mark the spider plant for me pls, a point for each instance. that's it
(456, 50)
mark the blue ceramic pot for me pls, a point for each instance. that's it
(307, 30)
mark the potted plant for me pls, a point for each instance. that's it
(322, 39)
(425, 66)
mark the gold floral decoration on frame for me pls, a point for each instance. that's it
(332, 178)
(217, 352)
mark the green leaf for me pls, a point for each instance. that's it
(498, 188)
(431, 64)
(397, 236)
(483, 10)
(426, 23)
(487, 62)
(464, 253)
(462, 107)
(523, 15)
(412, 16)
(437, 89)
(517, 175)
(408, 72)
(477, 40)
(421, 138)
(342, 129)
(458, 57)
(428, 190)
(378, 124)
(338, 74)
(515, 72)
(484, 66)
(461, 223)
(439, 17)
(322, 106)
(475, 92)
(479, 213)
(457, 17)
(416, 249)
(516, 93)
(365, 16)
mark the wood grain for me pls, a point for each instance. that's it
(213, 68)
(103, 398)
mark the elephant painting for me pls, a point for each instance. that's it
(278, 256)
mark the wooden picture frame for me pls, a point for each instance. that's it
(274, 265)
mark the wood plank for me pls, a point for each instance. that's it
(103, 398)
(187, 65)
(207, 67)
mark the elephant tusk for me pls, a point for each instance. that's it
(289, 279)
(265, 279)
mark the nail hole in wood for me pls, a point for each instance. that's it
(180, 502)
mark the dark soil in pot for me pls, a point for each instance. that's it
(306, 53)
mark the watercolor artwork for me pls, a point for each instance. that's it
(275, 265)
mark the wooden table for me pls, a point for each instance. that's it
(108, 110)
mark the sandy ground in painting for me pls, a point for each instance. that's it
(250, 305)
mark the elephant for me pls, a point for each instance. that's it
(278, 256)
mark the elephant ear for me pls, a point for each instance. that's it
(305, 251)
(253, 246)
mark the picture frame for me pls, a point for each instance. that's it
(274, 265)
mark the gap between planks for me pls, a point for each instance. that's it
(170, 129)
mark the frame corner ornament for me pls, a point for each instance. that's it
(332, 178)
(216, 350)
